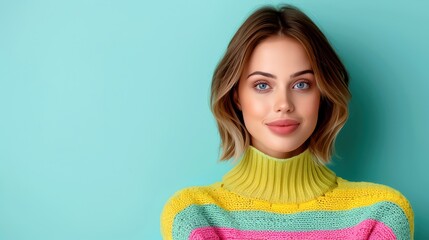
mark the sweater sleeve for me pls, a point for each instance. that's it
(176, 204)
(403, 224)
(395, 210)
(389, 208)
(167, 217)
(405, 205)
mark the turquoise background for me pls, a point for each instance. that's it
(105, 107)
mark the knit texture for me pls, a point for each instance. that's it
(268, 198)
(296, 179)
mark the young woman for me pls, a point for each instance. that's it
(280, 96)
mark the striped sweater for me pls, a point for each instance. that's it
(296, 198)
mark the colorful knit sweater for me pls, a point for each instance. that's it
(295, 198)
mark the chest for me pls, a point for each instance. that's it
(212, 221)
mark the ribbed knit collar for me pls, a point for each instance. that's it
(290, 180)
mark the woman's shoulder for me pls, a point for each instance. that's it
(375, 201)
(183, 199)
(369, 189)
(192, 193)
(189, 195)
(374, 194)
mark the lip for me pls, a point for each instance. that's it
(283, 126)
(283, 123)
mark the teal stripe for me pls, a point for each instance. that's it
(197, 216)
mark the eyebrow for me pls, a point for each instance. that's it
(265, 74)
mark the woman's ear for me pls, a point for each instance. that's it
(236, 99)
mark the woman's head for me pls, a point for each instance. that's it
(279, 66)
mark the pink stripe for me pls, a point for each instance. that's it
(368, 229)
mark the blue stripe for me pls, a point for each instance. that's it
(197, 216)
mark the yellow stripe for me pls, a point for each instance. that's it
(346, 196)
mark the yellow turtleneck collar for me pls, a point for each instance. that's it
(290, 180)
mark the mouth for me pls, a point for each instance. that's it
(283, 127)
(283, 123)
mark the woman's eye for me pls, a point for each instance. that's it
(302, 85)
(261, 86)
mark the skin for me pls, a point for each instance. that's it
(289, 93)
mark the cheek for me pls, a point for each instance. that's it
(314, 108)
(310, 108)
(254, 108)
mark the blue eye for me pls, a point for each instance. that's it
(261, 86)
(302, 85)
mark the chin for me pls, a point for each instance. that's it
(289, 149)
(286, 147)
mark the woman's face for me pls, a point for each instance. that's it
(278, 84)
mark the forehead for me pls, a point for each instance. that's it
(278, 54)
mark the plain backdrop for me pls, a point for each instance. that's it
(104, 107)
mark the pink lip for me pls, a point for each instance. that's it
(283, 127)
(284, 122)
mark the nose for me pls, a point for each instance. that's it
(283, 102)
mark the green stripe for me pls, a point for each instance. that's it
(197, 216)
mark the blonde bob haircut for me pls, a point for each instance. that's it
(331, 77)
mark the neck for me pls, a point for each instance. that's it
(288, 180)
